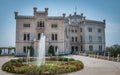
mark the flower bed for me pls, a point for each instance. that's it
(52, 66)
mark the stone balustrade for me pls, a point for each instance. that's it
(103, 56)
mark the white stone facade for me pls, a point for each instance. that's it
(68, 34)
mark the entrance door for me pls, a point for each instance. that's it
(72, 49)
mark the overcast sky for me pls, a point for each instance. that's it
(92, 9)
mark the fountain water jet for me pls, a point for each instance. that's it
(41, 51)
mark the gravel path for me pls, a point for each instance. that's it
(92, 66)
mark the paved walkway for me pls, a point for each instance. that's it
(97, 66)
(2, 61)
(92, 66)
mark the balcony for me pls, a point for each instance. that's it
(40, 28)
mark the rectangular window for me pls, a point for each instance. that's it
(90, 29)
(76, 48)
(28, 36)
(100, 39)
(52, 37)
(80, 29)
(56, 37)
(69, 30)
(43, 24)
(54, 25)
(39, 35)
(72, 30)
(40, 24)
(75, 31)
(90, 47)
(72, 49)
(26, 25)
(99, 30)
(81, 38)
(24, 49)
(90, 38)
(100, 48)
(72, 39)
(24, 36)
(81, 48)
(76, 39)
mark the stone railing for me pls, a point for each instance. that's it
(101, 56)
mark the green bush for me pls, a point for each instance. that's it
(71, 59)
(63, 59)
(20, 60)
(51, 50)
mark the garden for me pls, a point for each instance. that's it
(53, 66)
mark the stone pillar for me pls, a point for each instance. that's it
(118, 57)
(4, 50)
(89, 54)
(94, 55)
(113, 58)
(8, 52)
(97, 55)
(104, 57)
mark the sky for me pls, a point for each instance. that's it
(92, 9)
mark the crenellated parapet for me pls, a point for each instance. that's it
(24, 17)
(37, 13)
(55, 18)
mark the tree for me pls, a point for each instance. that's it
(9, 50)
(51, 50)
(114, 50)
(31, 51)
(0, 51)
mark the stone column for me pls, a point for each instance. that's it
(104, 57)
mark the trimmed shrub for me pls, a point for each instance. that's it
(71, 59)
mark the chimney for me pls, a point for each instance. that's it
(35, 9)
(16, 14)
(46, 10)
(104, 21)
(75, 13)
(84, 18)
(64, 15)
(81, 14)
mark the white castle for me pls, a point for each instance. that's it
(67, 34)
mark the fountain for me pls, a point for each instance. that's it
(41, 51)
